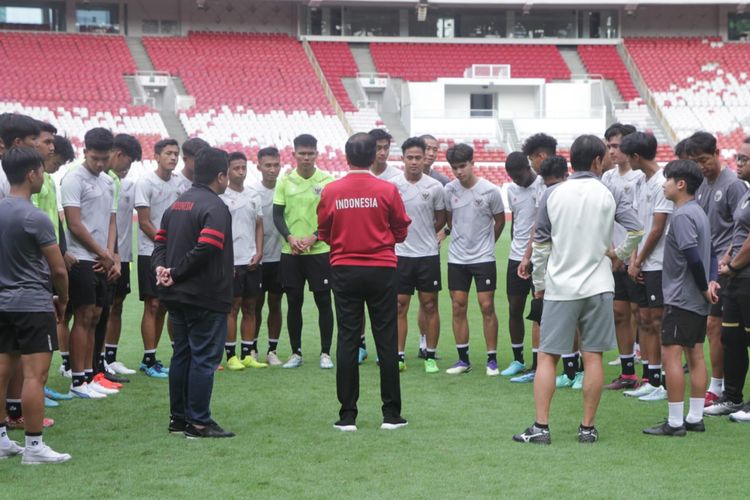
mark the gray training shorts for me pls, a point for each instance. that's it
(593, 315)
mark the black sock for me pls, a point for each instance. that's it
(79, 379)
(463, 353)
(66, 360)
(246, 348)
(272, 345)
(644, 367)
(362, 344)
(149, 358)
(569, 367)
(88, 375)
(492, 356)
(230, 350)
(541, 426)
(587, 427)
(654, 376)
(518, 353)
(534, 356)
(401, 357)
(430, 354)
(110, 353)
(13, 407)
(100, 364)
(628, 364)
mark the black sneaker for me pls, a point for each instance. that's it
(698, 426)
(177, 425)
(664, 429)
(588, 435)
(534, 435)
(345, 425)
(422, 354)
(116, 378)
(393, 423)
(212, 430)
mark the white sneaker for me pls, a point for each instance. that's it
(85, 392)
(118, 368)
(65, 373)
(614, 362)
(43, 455)
(325, 362)
(10, 450)
(273, 359)
(659, 394)
(294, 361)
(643, 390)
(102, 390)
(742, 415)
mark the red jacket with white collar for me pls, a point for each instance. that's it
(362, 218)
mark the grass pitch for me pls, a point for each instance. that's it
(457, 445)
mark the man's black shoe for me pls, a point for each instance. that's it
(116, 378)
(212, 430)
(698, 426)
(177, 425)
(664, 429)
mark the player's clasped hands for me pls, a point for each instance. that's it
(164, 277)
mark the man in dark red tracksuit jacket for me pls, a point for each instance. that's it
(362, 218)
(194, 263)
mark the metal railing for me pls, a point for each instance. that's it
(326, 88)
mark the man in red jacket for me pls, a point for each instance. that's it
(362, 218)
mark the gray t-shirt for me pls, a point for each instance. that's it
(125, 220)
(649, 199)
(158, 195)
(741, 229)
(687, 228)
(421, 200)
(442, 179)
(245, 207)
(719, 200)
(626, 185)
(271, 237)
(390, 173)
(24, 273)
(523, 202)
(95, 196)
(473, 221)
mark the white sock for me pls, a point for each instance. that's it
(695, 413)
(716, 386)
(34, 441)
(675, 414)
(423, 341)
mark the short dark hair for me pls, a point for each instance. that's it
(516, 162)
(305, 141)
(459, 153)
(424, 137)
(618, 129)
(129, 145)
(99, 139)
(554, 167)
(193, 145)
(701, 143)
(210, 162)
(639, 143)
(19, 161)
(584, 150)
(159, 146)
(269, 151)
(237, 155)
(685, 170)
(64, 149)
(47, 127)
(18, 127)
(380, 134)
(360, 150)
(411, 142)
(540, 142)
(680, 149)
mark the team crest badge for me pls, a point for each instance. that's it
(425, 195)
(318, 190)
(478, 202)
(717, 196)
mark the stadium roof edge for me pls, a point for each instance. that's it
(631, 4)
(479, 41)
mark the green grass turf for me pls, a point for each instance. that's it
(458, 442)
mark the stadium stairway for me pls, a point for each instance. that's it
(138, 51)
(573, 60)
(363, 57)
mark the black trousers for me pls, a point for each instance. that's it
(735, 336)
(353, 287)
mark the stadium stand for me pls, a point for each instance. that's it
(606, 61)
(43, 77)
